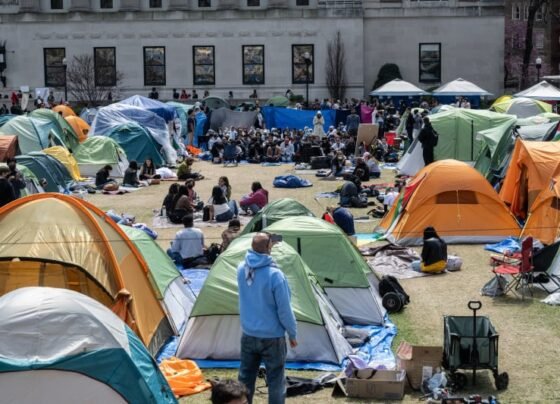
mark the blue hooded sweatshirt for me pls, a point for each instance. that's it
(264, 299)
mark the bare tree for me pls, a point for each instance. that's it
(82, 83)
(336, 67)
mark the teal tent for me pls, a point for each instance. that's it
(31, 181)
(277, 101)
(33, 134)
(6, 118)
(64, 347)
(47, 167)
(216, 103)
(56, 123)
(137, 143)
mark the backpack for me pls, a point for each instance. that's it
(394, 297)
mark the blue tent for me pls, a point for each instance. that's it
(47, 167)
(63, 347)
(136, 143)
(88, 114)
(277, 117)
(165, 111)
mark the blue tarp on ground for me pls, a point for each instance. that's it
(276, 117)
(166, 111)
(377, 351)
(510, 244)
(290, 181)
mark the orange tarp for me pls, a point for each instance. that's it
(455, 199)
(530, 170)
(184, 376)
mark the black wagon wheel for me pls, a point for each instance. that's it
(392, 302)
(459, 381)
(502, 381)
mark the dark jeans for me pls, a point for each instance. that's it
(428, 155)
(272, 352)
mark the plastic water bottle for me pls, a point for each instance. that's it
(163, 213)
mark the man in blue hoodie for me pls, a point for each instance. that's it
(266, 316)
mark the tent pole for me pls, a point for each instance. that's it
(472, 140)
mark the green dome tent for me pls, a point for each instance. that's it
(165, 277)
(275, 211)
(216, 103)
(277, 101)
(137, 143)
(96, 152)
(338, 265)
(58, 125)
(33, 134)
(213, 330)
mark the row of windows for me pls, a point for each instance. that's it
(108, 4)
(204, 65)
(517, 8)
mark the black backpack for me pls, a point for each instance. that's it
(394, 297)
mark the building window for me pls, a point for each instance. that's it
(515, 12)
(525, 12)
(539, 39)
(155, 4)
(299, 65)
(106, 4)
(430, 63)
(203, 65)
(253, 64)
(55, 72)
(204, 3)
(154, 65)
(105, 62)
(253, 3)
(302, 3)
(539, 14)
(57, 4)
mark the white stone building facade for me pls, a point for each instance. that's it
(147, 40)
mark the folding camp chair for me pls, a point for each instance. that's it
(543, 268)
(520, 270)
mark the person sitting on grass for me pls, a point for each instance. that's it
(231, 233)
(273, 153)
(185, 172)
(103, 178)
(188, 248)
(131, 176)
(148, 171)
(167, 203)
(256, 200)
(180, 206)
(434, 253)
(223, 182)
(221, 209)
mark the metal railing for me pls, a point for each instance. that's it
(339, 4)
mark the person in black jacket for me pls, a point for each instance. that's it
(434, 253)
(15, 177)
(428, 137)
(7, 193)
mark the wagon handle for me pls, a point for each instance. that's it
(475, 305)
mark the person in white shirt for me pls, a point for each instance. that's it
(188, 246)
(390, 198)
(337, 145)
(287, 150)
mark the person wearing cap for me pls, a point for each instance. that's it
(318, 123)
(266, 316)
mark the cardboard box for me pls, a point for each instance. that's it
(383, 385)
(419, 362)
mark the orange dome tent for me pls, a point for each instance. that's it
(543, 222)
(529, 172)
(456, 200)
(65, 110)
(81, 127)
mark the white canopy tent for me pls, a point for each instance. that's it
(543, 91)
(398, 88)
(460, 87)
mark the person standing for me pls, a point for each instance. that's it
(7, 193)
(428, 137)
(266, 317)
(318, 123)
(352, 123)
(15, 177)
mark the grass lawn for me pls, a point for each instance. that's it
(529, 330)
